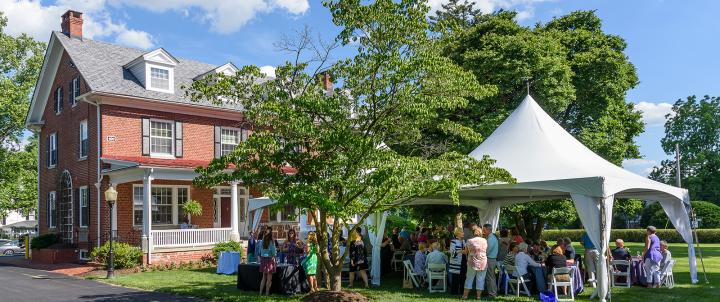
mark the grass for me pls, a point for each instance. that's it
(204, 283)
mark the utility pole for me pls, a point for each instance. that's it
(693, 217)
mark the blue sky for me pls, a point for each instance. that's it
(672, 44)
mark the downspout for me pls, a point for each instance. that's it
(98, 184)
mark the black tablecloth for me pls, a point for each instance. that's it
(288, 279)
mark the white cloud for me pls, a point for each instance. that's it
(269, 71)
(654, 113)
(38, 20)
(525, 8)
(222, 15)
(640, 166)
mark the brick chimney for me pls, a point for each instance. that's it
(71, 24)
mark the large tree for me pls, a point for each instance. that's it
(694, 125)
(20, 61)
(334, 152)
(578, 73)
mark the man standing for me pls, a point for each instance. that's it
(492, 253)
(592, 256)
(404, 233)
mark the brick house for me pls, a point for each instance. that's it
(109, 115)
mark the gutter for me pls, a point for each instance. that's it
(98, 184)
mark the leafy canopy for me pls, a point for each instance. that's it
(334, 151)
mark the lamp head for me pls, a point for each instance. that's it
(111, 195)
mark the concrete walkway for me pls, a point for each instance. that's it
(25, 284)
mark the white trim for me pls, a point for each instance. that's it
(73, 97)
(167, 58)
(80, 206)
(174, 203)
(170, 155)
(51, 203)
(44, 83)
(80, 139)
(148, 78)
(57, 100)
(239, 137)
(53, 147)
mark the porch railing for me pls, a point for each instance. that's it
(189, 237)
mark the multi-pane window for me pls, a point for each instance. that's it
(83, 139)
(51, 210)
(166, 200)
(58, 100)
(159, 78)
(161, 137)
(74, 90)
(229, 138)
(52, 150)
(84, 207)
(182, 197)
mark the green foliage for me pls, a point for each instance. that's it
(20, 61)
(443, 215)
(531, 218)
(342, 145)
(625, 210)
(708, 212)
(227, 246)
(634, 235)
(695, 127)
(125, 255)
(398, 221)
(44, 241)
(192, 207)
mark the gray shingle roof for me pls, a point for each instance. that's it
(101, 65)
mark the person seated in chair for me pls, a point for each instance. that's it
(419, 264)
(557, 259)
(523, 262)
(666, 256)
(569, 249)
(435, 256)
(620, 252)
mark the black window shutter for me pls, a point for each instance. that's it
(218, 147)
(47, 151)
(145, 136)
(55, 149)
(60, 98)
(47, 208)
(71, 90)
(76, 206)
(55, 102)
(178, 139)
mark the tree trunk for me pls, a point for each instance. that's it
(458, 220)
(335, 278)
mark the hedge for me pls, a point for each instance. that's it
(634, 235)
(44, 241)
(125, 255)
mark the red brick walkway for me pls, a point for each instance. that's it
(70, 269)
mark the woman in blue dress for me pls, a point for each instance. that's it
(651, 258)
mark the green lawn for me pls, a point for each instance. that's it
(206, 284)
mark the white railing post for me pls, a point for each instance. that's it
(189, 237)
(234, 219)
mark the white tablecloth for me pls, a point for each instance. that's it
(228, 263)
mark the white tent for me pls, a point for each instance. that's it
(549, 163)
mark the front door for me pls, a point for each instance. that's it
(224, 212)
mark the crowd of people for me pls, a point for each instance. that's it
(471, 256)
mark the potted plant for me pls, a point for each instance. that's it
(192, 208)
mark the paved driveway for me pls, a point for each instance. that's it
(24, 284)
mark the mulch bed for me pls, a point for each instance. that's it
(330, 296)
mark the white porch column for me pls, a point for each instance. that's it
(147, 213)
(234, 219)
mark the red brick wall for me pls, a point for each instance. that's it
(125, 125)
(159, 258)
(66, 124)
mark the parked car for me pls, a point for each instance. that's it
(10, 248)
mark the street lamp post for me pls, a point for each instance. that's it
(111, 197)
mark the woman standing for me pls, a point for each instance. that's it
(652, 257)
(458, 262)
(358, 258)
(267, 262)
(477, 263)
(310, 262)
(251, 248)
(292, 248)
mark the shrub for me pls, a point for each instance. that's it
(193, 208)
(708, 212)
(44, 241)
(126, 256)
(634, 235)
(227, 246)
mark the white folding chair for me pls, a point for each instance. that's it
(410, 273)
(437, 272)
(555, 282)
(667, 277)
(617, 266)
(397, 260)
(501, 270)
(517, 280)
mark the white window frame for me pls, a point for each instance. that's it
(175, 203)
(53, 147)
(58, 100)
(239, 138)
(170, 155)
(83, 197)
(52, 210)
(83, 125)
(74, 92)
(279, 216)
(148, 78)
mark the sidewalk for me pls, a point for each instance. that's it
(69, 269)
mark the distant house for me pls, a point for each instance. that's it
(15, 223)
(109, 115)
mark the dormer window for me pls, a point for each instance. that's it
(159, 78)
(155, 70)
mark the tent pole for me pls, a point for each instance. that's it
(693, 217)
(608, 275)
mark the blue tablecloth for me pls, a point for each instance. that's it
(638, 272)
(228, 263)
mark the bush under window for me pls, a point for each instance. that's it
(126, 256)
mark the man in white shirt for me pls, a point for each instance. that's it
(523, 261)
